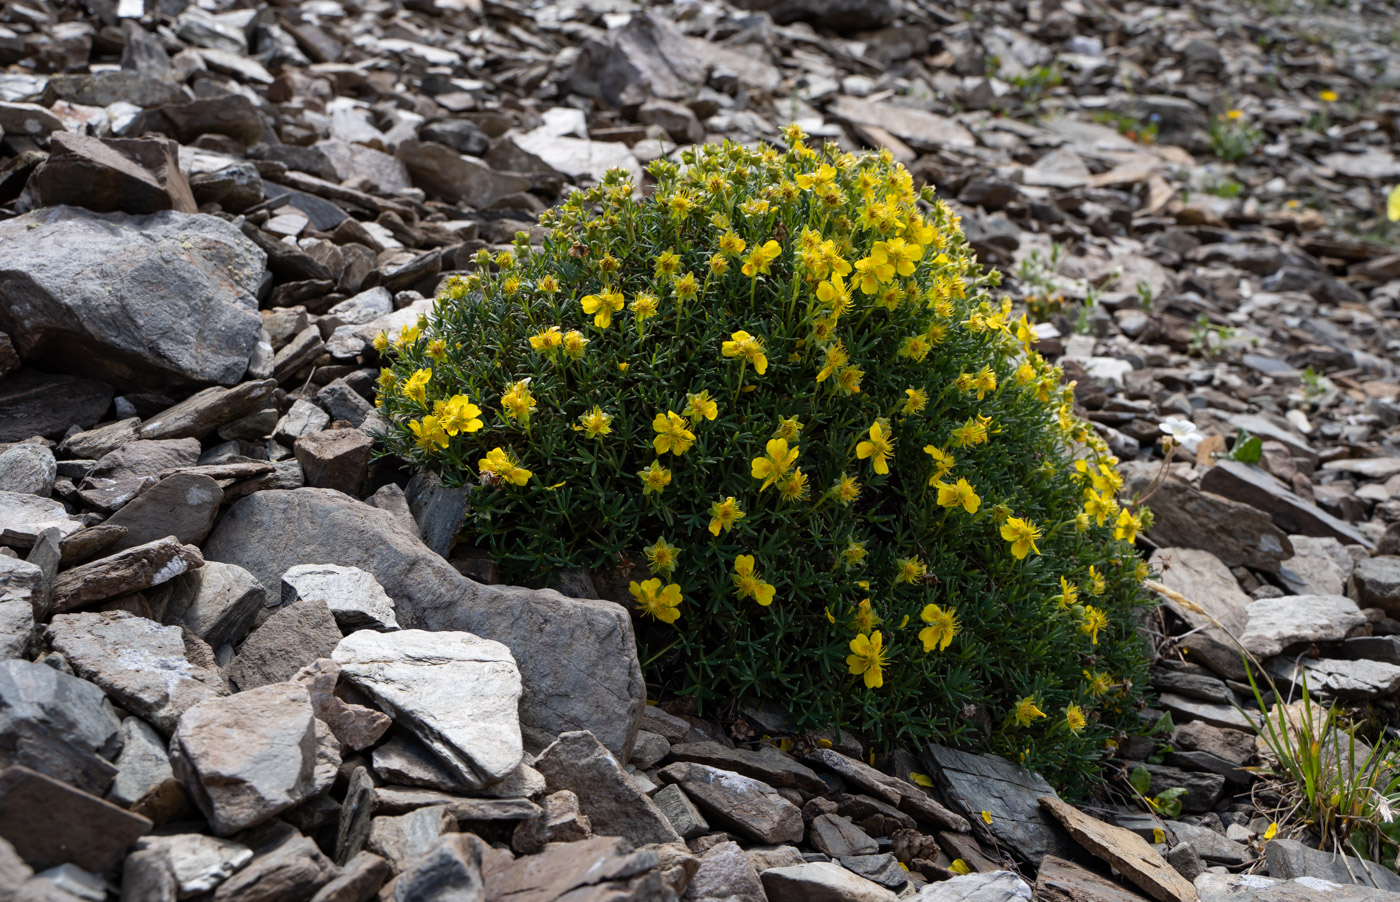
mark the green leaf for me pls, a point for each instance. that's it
(1141, 780)
(1248, 448)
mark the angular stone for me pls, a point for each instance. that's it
(217, 602)
(140, 175)
(1212, 887)
(249, 757)
(138, 662)
(182, 506)
(579, 763)
(577, 658)
(457, 178)
(1185, 517)
(359, 880)
(767, 764)
(199, 863)
(920, 129)
(989, 886)
(740, 803)
(290, 639)
(135, 300)
(403, 838)
(560, 820)
(438, 510)
(390, 800)
(1347, 680)
(28, 469)
(293, 868)
(1063, 881)
(344, 403)
(821, 881)
(1274, 624)
(145, 782)
(335, 459)
(127, 571)
(34, 403)
(50, 823)
(356, 726)
(726, 874)
(838, 837)
(590, 868)
(1289, 859)
(1128, 853)
(1203, 790)
(1319, 566)
(1377, 582)
(304, 418)
(205, 411)
(24, 516)
(1253, 486)
(353, 596)
(1202, 578)
(57, 725)
(677, 808)
(449, 871)
(1210, 845)
(457, 692)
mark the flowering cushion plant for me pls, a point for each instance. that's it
(776, 407)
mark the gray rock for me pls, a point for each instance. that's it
(183, 506)
(138, 662)
(248, 757)
(1319, 566)
(353, 825)
(577, 658)
(21, 592)
(359, 880)
(647, 57)
(34, 403)
(1288, 859)
(836, 15)
(24, 516)
(403, 760)
(1210, 845)
(838, 837)
(1203, 578)
(145, 782)
(438, 510)
(767, 764)
(1203, 790)
(402, 839)
(920, 129)
(1274, 624)
(882, 868)
(821, 881)
(131, 570)
(217, 602)
(355, 726)
(50, 823)
(458, 178)
(28, 469)
(449, 871)
(726, 875)
(560, 820)
(1349, 680)
(1377, 583)
(293, 637)
(293, 868)
(364, 307)
(389, 800)
(1212, 887)
(1185, 517)
(1253, 486)
(579, 763)
(146, 877)
(205, 411)
(603, 867)
(344, 403)
(134, 300)
(353, 596)
(993, 886)
(458, 693)
(334, 459)
(740, 803)
(649, 749)
(303, 418)
(199, 863)
(58, 725)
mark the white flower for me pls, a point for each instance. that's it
(1182, 432)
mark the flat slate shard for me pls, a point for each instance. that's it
(126, 571)
(50, 823)
(977, 783)
(1064, 881)
(1128, 853)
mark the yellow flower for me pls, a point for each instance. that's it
(510, 286)
(872, 271)
(942, 463)
(459, 414)
(1099, 683)
(654, 478)
(701, 407)
(789, 428)
(437, 349)
(1233, 115)
(846, 490)
(775, 463)
(719, 264)
(1094, 620)
(416, 388)
(574, 343)
(880, 447)
(960, 867)
(1074, 718)
(848, 380)
(518, 402)
(657, 602)
(793, 487)
(1068, 597)
(1027, 712)
(381, 342)
(865, 619)
(408, 334)
(1022, 535)
(428, 434)
(911, 570)
(668, 264)
(867, 658)
(387, 382)
(724, 514)
(686, 287)
(731, 245)
(834, 293)
(498, 463)
(959, 494)
(984, 381)
(671, 434)
(1327, 96)
(749, 584)
(547, 340)
(549, 285)
(1099, 505)
(901, 254)
(942, 627)
(662, 556)
(915, 347)
(1128, 525)
(1392, 205)
(836, 358)
(750, 347)
(853, 555)
(915, 401)
(604, 305)
(972, 432)
(595, 423)
(761, 258)
(644, 306)
(1097, 584)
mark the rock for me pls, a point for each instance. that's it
(1319, 566)
(677, 808)
(726, 875)
(402, 839)
(1289, 859)
(579, 763)
(577, 658)
(293, 868)
(821, 881)
(457, 692)
(921, 130)
(677, 119)
(353, 596)
(1203, 578)
(24, 516)
(205, 411)
(647, 57)
(1234, 746)
(390, 800)
(359, 880)
(58, 725)
(21, 593)
(604, 867)
(1235, 532)
(1211, 845)
(50, 823)
(182, 506)
(1211, 887)
(1219, 715)
(1203, 790)
(1128, 853)
(344, 403)
(304, 418)
(145, 782)
(34, 403)
(249, 757)
(836, 15)
(741, 803)
(140, 175)
(405, 761)
(450, 871)
(767, 764)
(356, 726)
(335, 459)
(1063, 881)
(543, 151)
(133, 300)
(28, 470)
(458, 178)
(293, 637)
(438, 510)
(559, 821)
(1350, 680)
(139, 663)
(1377, 582)
(1253, 486)
(199, 863)
(127, 571)
(217, 602)
(1274, 624)
(838, 837)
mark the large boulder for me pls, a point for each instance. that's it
(137, 301)
(577, 658)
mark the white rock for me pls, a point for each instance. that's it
(354, 596)
(1273, 624)
(993, 886)
(821, 881)
(199, 862)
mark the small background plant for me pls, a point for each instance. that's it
(773, 407)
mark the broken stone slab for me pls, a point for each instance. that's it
(217, 602)
(602, 867)
(22, 592)
(182, 506)
(1274, 624)
(1186, 517)
(1377, 583)
(1210, 845)
(1289, 859)
(1212, 887)
(560, 820)
(127, 175)
(58, 725)
(1203, 579)
(458, 178)
(1064, 881)
(646, 57)
(359, 880)
(199, 863)
(577, 658)
(293, 637)
(403, 760)
(821, 881)
(1129, 854)
(392, 800)
(50, 823)
(457, 692)
(356, 726)
(449, 869)
(1347, 680)
(725, 873)
(740, 803)
(923, 131)
(286, 865)
(1291, 513)
(767, 764)
(353, 595)
(402, 838)
(139, 663)
(24, 516)
(28, 469)
(205, 411)
(335, 459)
(1319, 566)
(126, 571)
(34, 403)
(156, 300)
(677, 808)
(838, 837)
(579, 763)
(438, 510)
(145, 782)
(270, 766)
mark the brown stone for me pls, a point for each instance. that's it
(1063, 881)
(127, 571)
(335, 459)
(50, 823)
(1130, 854)
(134, 175)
